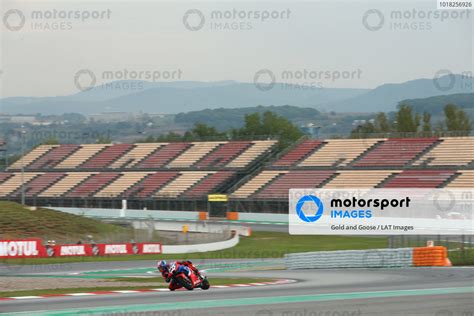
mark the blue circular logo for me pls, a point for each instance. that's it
(310, 199)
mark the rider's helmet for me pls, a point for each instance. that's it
(162, 266)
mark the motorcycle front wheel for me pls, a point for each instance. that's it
(205, 284)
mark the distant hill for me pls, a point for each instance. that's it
(185, 96)
(224, 119)
(172, 98)
(435, 105)
(386, 97)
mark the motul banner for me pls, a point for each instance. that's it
(149, 248)
(21, 248)
(115, 249)
(71, 250)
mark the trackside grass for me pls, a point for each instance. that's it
(461, 258)
(17, 222)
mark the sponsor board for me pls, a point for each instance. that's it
(151, 248)
(72, 250)
(381, 211)
(115, 249)
(217, 198)
(21, 248)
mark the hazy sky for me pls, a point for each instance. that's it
(229, 40)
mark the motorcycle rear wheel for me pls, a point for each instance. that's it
(185, 283)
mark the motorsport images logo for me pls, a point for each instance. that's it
(304, 202)
(380, 211)
(346, 208)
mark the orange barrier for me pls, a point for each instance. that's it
(233, 216)
(203, 216)
(430, 256)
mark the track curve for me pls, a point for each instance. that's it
(420, 291)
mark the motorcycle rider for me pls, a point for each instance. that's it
(164, 268)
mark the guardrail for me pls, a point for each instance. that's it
(196, 227)
(220, 245)
(371, 258)
(257, 217)
(131, 213)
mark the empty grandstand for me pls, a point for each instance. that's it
(151, 156)
(252, 174)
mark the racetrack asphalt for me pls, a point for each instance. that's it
(343, 292)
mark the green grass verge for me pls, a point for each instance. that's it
(214, 281)
(462, 258)
(17, 221)
(259, 245)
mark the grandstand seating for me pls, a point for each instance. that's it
(294, 179)
(163, 155)
(31, 156)
(184, 181)
(296, 154)
(92, 184)
(80, 156)
(256, 150)
(193, 154)
(208, 184)
(4, 176)
(106, 156)
(71, 180)
(39, 183)
(150, 184)
(159, 171)
(358, 178)
(223, 154)
(395, 152)
(53, 157)
(125, 182)
(256, 183)
(464, 180)
(149, 156)
(419, 179)
(338, 152)
(136, 155)
(451, 151)
(13, 183)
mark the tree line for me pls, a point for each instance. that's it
(267, 125)
(406, 120)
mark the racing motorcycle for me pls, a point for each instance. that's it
(183, 276)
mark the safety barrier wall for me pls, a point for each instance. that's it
(117, 213)
(430, 256)
(34, 248)
(258, 217)
(372, 258)
(220, 245)
(197, 227)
